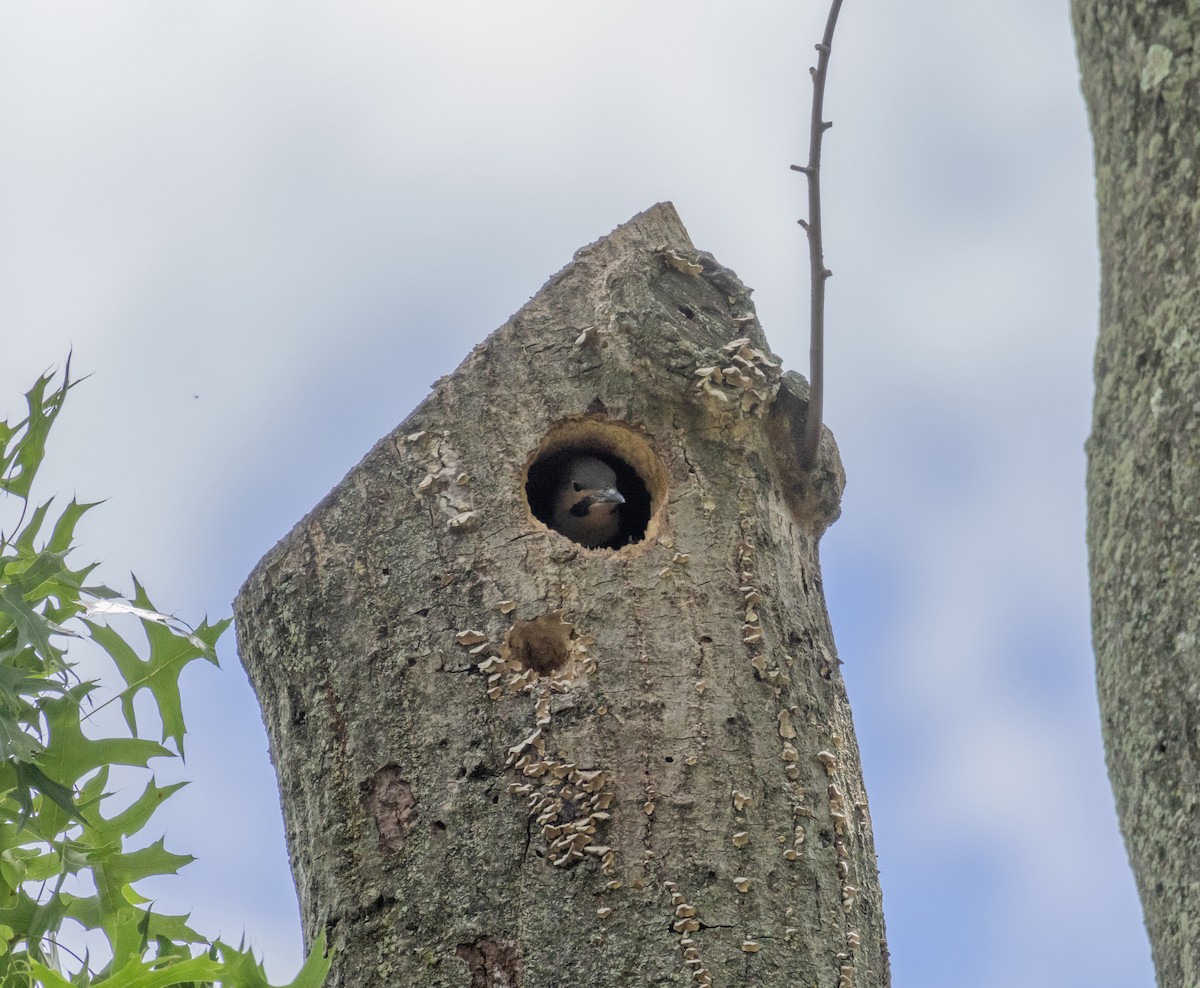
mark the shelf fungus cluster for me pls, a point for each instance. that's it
(685, 923)
(845, 959)
(680, 263)
(677, 559)
(837, 812)
(790, 756)
(567, 801)
(773, 675)
(752, 599)
(445, 481)
(748, 381)
(543, 657)
(752, 631)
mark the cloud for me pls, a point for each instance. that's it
(268, 228)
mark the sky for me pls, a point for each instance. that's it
(265, 228)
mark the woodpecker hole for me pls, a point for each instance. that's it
(641, 477)
(543, 644)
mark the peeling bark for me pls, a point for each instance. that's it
(508, 760)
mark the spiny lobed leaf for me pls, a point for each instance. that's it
(24, 445)
(70, 754)
(54, 776)
(170, 652)
(223, 965)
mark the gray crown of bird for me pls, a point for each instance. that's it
(587, 503)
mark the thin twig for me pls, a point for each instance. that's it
(819, 274)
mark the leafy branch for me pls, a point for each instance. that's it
(54, 832)
(818, 273)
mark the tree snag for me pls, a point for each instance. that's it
(508, 759)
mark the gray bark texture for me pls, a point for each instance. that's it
(1139, 68)
(508, 760)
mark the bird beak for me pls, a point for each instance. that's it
(611, 495)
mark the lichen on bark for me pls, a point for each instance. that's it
(1139, 73)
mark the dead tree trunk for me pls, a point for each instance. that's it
(506, 759)
(1141, 79)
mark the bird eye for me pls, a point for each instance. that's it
(576, 486)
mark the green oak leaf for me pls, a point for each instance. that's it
(170, 651)
(70, 754)
(21, 452)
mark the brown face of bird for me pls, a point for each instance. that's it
(587, 503)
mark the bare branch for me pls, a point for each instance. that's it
(818, 273)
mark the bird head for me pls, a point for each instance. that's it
(586, 502)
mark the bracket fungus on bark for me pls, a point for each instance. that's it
(571, 715)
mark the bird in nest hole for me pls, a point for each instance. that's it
(587, 503)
